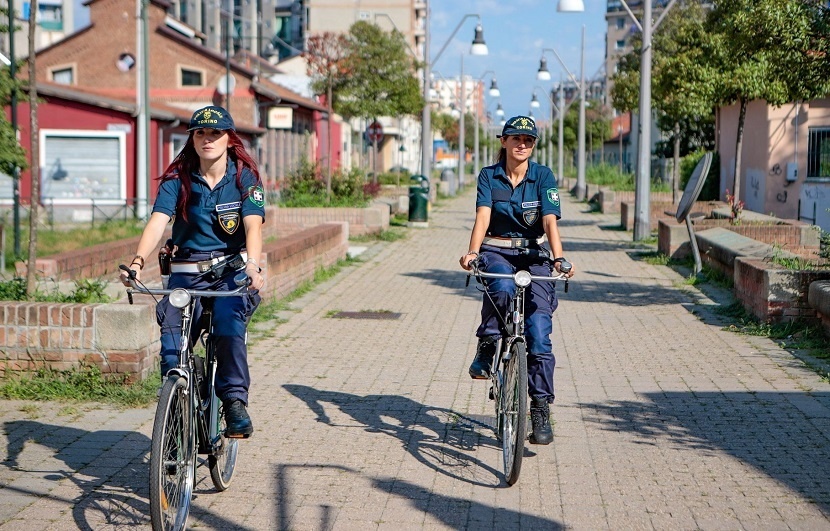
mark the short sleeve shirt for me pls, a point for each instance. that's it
(214, 216)
(518, 213)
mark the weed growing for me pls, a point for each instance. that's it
(81, 384)
(87, 291)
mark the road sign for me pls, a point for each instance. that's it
(374, 132)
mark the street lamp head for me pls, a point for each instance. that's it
(494, 89)
(543, 74)
(500, 111)
(479, 46)
(571, 6)
(534, 102)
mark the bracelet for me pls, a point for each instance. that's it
(560, 259)
(252, 261)
(136, 259)
(471, 252)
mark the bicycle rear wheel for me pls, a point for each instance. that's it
(514, 412)
(172, 457)
(222, 460)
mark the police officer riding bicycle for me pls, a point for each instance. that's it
(213, 191)
(517, 208)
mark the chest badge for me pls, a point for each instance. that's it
(229, 221)
(530, 216)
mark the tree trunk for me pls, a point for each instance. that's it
(675, 172)
(31, 273)
(328, 144)
(736, 183)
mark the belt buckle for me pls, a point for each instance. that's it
(204, 266)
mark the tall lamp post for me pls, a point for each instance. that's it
(478, 48)
(642, 230)
(543, 74)
(495, 93)
(534, 103)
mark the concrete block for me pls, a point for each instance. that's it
(125, 326)
(819, 296)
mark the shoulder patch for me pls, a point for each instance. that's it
(553, 196)
(256, 195)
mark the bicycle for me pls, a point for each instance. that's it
(508, 374)
(189, 420)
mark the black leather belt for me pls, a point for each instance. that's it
(204, 265)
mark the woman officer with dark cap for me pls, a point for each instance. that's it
(213, 191)
(517, 205)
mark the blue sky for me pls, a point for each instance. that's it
(516, 31)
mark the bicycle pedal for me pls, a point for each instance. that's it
(238, 436)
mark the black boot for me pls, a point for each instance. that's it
(540, 418)
(238, 422)
(485, 352)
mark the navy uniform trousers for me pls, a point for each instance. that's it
(230, 318)
(540, 303)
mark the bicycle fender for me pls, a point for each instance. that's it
(510, 342)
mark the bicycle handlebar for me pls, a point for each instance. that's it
(241, 279)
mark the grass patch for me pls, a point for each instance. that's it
(80, 384)
(51, 241)
(389, 235)
(655, 258)
(87, 291)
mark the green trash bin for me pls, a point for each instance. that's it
(418, 199)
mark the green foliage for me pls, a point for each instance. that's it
(379, 76)
(84, 383)
(609, 175)
(306, 187)
(711, 188)
(86, 291)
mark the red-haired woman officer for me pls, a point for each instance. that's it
(213, 191)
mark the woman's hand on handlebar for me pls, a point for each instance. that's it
(466, 259)
(128, 277)
(254, 273)
(565, 267)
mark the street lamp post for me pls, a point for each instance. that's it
(493, 92)
(478, 48)
(642, 230)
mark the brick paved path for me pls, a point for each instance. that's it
(662, 420)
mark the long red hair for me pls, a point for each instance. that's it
(186, 164)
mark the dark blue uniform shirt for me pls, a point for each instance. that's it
(517, 213)
(214, 216)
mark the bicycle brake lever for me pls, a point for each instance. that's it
(130, 296)
(566, 285)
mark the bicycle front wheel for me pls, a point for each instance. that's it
(222, 459)
(172, 457)
(514, 412)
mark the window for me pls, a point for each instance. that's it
(64, 76)
(191, 78)
(620, 44)
(818, 153)
(620, 23)
(177, 143)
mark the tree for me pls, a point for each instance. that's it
(682, 87)
(326, 57)
(31, 272)
(12, 155)
(380, 75)
(769, 50)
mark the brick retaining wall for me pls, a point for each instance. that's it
(123, 339)
(368, 220)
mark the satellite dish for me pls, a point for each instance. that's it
(226, 84)
(693, 187)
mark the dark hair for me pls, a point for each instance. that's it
(502, 156)
(187, 162)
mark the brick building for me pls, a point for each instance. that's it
(98, 66)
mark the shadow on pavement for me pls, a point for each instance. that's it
(98, 464)
(439, 438)
(768, 431)
(456, 513)
(90, 457)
